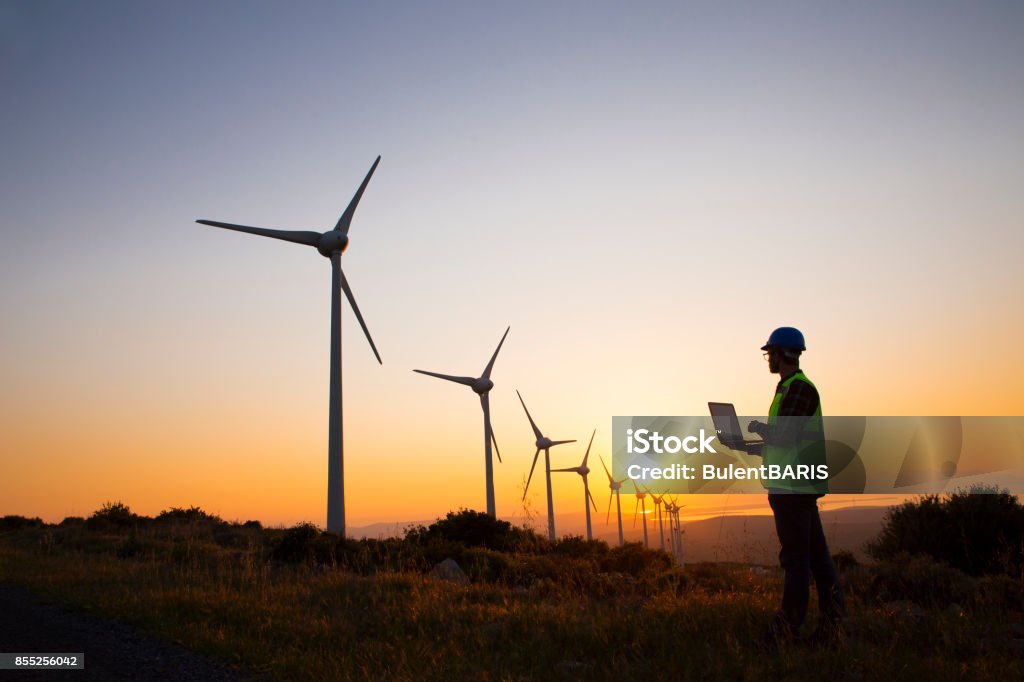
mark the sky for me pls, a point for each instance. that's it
(642, 192)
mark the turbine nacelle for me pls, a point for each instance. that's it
(333, 241)
(482, 385)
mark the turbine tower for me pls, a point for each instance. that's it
(482, 386)
(615, 486)
(543, 443)
(641, 505)
(330, 244)
(588, 499)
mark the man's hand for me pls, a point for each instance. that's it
(756, 427)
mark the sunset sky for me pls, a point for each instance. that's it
(643, 192)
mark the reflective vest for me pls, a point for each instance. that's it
(808, 450)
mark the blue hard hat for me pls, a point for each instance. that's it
(785, 337)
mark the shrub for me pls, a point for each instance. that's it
(980, 531)
(634, 559)
(919, 579)
(304, 543)
(999, 593)
(112, 516)
(473, 529)
(19, 522)
(190, 515)
(845, 561)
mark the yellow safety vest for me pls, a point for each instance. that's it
(809, 450)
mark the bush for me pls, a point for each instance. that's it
(1000, 593)
(920, 580)
(303, 544)
(111, 516)
(634, 559)
(19, 522)
(473, 529)
(980, 532)
(190, 515)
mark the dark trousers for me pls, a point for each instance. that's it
(804, 553)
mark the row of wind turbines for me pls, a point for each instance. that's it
(332, 244)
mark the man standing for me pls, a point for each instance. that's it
(794, 436)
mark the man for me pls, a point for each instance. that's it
(794, 436)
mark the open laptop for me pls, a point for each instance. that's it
(728, 426)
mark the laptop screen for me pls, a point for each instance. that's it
(726, 423)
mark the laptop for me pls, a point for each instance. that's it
(728, 426)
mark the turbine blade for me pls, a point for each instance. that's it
(608, 514)
(635, 510)
(336, 261)
(495, 441)
(607, 473)
(533, 425)
(588, 447)
(576, 469)
(296, 236)
(346, 218)
(591, 496)
(465, 381)
(535, 455)
(486, 404)
(562, 442)
(490, 365)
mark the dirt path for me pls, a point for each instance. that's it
(113, 651)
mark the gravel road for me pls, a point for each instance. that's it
(113, 651)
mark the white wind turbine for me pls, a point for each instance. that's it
(657, 508)
(615, 486)
(482, 386)
(669, 507)
(588, 499)
(330, 244)
(642, 506)
(676, 529)
(543, 443)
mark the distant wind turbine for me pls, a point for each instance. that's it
(675, 529)
(642, 506)
(657, 508)
(482, 386)
(543, 443)
(588, 499)
(615, 486)
(330, 244)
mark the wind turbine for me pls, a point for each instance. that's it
(330, 244)
(615, 486)
(482, 386)
(543, 443)
(583, 470)
(676, 529)
(640, 504)
(657, 507)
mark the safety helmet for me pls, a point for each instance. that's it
(785, 337)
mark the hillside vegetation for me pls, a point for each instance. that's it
(300, 603)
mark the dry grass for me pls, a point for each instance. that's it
(314, 622)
